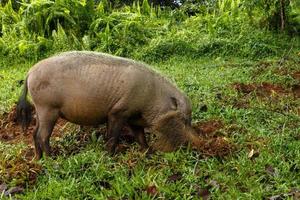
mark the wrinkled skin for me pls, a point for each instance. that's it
(90, 88)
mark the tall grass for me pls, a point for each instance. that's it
(34, 29)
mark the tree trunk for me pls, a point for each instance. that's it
(282, 14)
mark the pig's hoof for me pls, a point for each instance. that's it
(111, 148)
(149, 152)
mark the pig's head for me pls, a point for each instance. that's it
(175, 127)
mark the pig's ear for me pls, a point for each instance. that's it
(174, 102)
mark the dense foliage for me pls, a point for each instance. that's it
(33, 29)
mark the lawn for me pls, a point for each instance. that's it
(253, 105)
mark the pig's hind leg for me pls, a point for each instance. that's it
(47, 118)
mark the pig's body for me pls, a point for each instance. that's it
(90, 88)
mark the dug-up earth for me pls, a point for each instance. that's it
(12, 133)
(26, 170)
(266, 89)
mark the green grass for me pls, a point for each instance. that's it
(205, 55)
(269, 126)
(10, 86)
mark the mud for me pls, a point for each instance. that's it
(296, 75)
(12, 133)
(296, 90)
(268, 90)
(208, 128)
(20, 168)
(264, 89)
(213, 143)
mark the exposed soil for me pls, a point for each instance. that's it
(263, 89)
(208, 128)
(12, 133)
(296, 75)
(267, 89)
(213, 144)
(24, 169)
(21, 167)
(296, 90)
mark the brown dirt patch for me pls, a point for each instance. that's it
(268, 90)
(296, 90)
(212, 143)
(12, 133)
(20, 168)
(296, 75)
(263, 89)
(208, 128)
